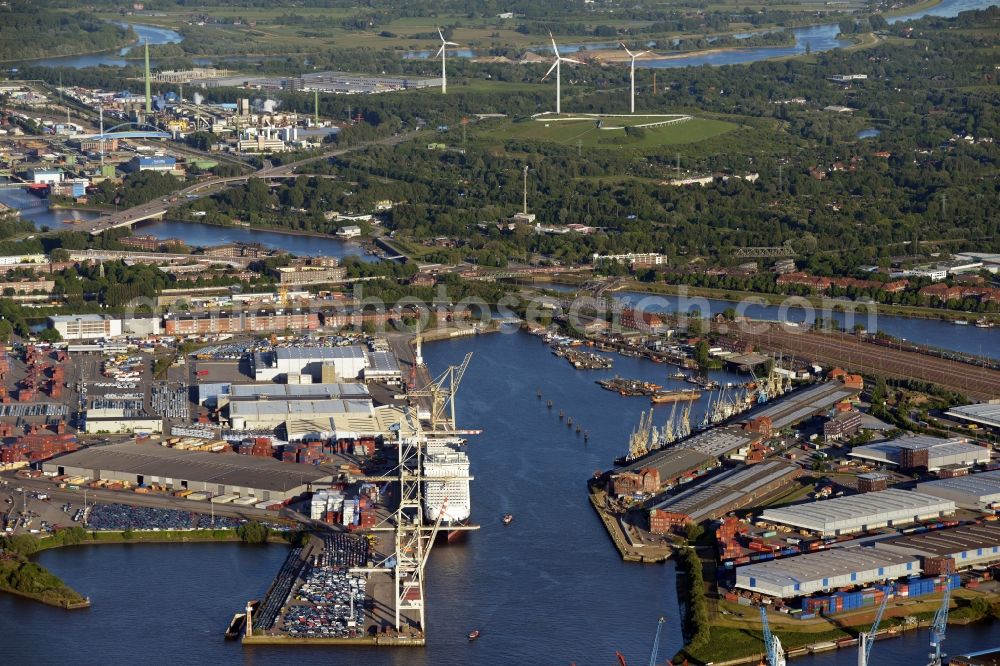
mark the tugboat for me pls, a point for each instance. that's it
(473, 635)
(507, 519)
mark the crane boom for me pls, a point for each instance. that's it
(940, 625)
(867, 639)
(775, 653)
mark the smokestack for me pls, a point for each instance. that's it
(149, 97)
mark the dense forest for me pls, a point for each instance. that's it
(26, 32)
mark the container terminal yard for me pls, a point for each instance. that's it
(324, 435)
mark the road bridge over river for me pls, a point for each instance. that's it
(159, 207)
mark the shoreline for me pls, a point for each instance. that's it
(274, 230)
(735, 296)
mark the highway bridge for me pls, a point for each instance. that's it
(158, 208)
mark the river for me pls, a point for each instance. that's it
(815, 38)
(934, 332)
(147, 33)
(548, 589)
(195, 234)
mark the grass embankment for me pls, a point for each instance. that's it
(587, 134)
(738, 634)
(161, 536)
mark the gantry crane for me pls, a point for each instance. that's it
(866, 639)
(775, 653)
(441, 392)
(940, 625)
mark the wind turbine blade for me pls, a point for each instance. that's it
(626, 49)
(440, 34)
(550, 70)
(440, 50)
(571, 60)
(455, 44)
(639, 55)
(554, 47)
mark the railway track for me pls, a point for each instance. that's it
(852, 354)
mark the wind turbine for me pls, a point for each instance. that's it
(556, 66)
(631, 75)
(443, 52)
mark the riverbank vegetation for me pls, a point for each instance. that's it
(21, 576)
(26, 32)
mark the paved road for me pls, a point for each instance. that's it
(207, 187)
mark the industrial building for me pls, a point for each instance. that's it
(296, 275)
(924, 452)
(858, 513)
(731, 490)
(986, 415)
(347, 363)
(254, 321)
(824, 570)
(95, 326)
(86, 326)
(216, 473)
(383, 367)
(118, 424)
(735, 440)
(966, 546)
(301, 409)
(165, 164)
(671, 466)
(975, 491)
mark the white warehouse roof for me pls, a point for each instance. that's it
(940, 452)
(857, 512)
(988, 414)
(825, 570)
(975, 491)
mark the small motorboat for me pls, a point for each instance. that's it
(474, 634)
(507, 518)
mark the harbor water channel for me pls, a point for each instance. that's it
(550, 588)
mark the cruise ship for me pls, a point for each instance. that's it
(448, 461)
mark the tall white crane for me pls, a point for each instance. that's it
(866, 639)
(443, 52)
(631, 75)
(557, 67)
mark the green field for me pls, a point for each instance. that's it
(587, 134)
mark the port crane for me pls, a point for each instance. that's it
(441, 392)
(775, 653)
(939, 626)
(866, 639)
